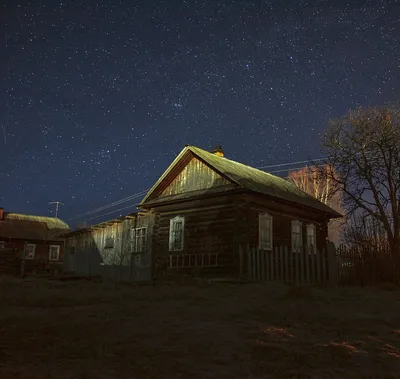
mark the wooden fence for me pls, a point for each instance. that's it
(289, 267)
(363, 266)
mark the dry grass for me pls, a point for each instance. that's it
(94, 330)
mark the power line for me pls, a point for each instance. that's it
(291, 169)
(290, 163)
(110, 205)
(105, 214)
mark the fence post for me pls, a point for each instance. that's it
(276, 254)
(319, 256)
(307, 258)
(302, 251)
(241, 268)
(287, 276)
(262, 264)
(249, 264)
(332, 264)
(271, 264)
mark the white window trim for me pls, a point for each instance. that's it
(58, 252)
(135, 238)
(314, 229)
(171, 222)
(34, 250)
(261, 217)
(297, 249)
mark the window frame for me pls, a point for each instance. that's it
(58, 252)
(172, 221)
(261, 244)
(312, 248)
(135, 239)
(107, 237)
(34, 251)
(297, 248)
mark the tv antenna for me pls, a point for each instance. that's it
(57, 203)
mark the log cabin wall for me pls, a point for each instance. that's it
(209, 230)
(222, 224)
(283, 215)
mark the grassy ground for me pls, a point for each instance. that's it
(90, 331)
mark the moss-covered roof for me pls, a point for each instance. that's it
(251, 179)
(51, 222)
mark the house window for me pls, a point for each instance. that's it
(30, 251)
(297, 243)
(54, 253)
(176, 233)
(109, 241)
(311, 238)
(139, 239)
(2, 245)
(265, 231)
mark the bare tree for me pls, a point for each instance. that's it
(366, 235)
(317, 181)
(312, 180)
(363, 148)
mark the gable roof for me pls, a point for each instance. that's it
(21, 226)
(249, 178)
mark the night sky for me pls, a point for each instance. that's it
(98, 97)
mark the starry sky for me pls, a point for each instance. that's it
(98, 97)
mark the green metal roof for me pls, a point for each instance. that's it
(252, 179)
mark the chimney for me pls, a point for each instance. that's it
(218, 151)
(1, 213)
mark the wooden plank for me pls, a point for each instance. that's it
(322, 267)
(291, 267)
(276, 277)
(317, 273)
(258, 251)
(285, 254)
(307, 264)
(271, 265)
(301, 265)
(296, 260)
(240, 262)
(249, 267)
(262, 265)
(281, 264)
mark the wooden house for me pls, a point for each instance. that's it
(205, 208)
(34, 238)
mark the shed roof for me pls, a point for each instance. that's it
(249, 178)
(30, 227)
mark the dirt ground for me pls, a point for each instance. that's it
(89, 330)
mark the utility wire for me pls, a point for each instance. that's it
(109, 205)
(290, 163)
(116, 210)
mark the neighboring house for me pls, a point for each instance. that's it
(205, 208)
(36, 238)
(122, 242)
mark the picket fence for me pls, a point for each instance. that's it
(289, 267)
